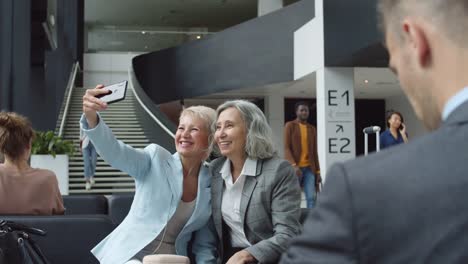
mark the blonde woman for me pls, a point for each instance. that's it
(172, 196)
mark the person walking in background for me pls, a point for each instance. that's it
(89, 158)
(406, 204)
(396, 131)
(24, 190)
(300, 149)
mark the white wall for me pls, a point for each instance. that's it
(309, 50)
(335, 110)
(268, 6)
(274, 111)
(400, 103)
(106, 68)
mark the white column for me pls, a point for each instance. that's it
(268, 6)
(274, 112)
(335, 116)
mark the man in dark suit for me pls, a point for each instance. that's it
(407, 204)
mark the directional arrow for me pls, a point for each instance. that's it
(340, 127)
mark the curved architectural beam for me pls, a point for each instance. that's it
(260, 51)
(251, 54)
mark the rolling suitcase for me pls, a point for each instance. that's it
(371, 130)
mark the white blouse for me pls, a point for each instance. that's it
(230, 206)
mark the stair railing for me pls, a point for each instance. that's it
(132, 82)
(69, 92)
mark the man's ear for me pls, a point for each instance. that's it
(415, 34)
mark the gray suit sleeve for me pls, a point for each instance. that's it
(285, 214)
(328, 235)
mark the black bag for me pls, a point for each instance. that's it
(17, 245)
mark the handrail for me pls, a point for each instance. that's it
(168, 131)
(50, 37)
(69, 89)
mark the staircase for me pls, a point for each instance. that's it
(121, 118)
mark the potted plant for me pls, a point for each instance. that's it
(51, 152)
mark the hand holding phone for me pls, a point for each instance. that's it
(402, 128)
(116, 92)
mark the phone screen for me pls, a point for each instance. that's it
(116, 92)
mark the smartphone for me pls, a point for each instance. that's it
(116, 92)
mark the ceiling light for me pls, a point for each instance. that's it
(366, 81)
(198, 37)
(143, 32)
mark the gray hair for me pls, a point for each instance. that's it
(449, 16)
(259, 143)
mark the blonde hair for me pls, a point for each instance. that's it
(207, 114)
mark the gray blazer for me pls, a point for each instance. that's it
(406, 204)
(270, 207)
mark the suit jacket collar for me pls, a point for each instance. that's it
(249, 187)
(217, 191)
(297, 123)
(249, 169)
(217, 164)
(217, 195)
(176, 182)
(459, 115)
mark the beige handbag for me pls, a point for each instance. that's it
(165, 258)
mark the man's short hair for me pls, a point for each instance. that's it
(304, 103)
(450, 16)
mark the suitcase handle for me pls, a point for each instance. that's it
(371, 130)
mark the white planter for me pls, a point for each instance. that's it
(59, 165)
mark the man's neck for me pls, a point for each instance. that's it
(301, 121)
(453, 79)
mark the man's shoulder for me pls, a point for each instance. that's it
(290, 123)
(295, 123)
(403, 160)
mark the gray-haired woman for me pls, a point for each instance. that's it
(255, 195)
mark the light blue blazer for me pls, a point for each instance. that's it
(158, 181)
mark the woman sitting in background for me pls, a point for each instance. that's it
(24, 190)
(255, 195)
(396, 132)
